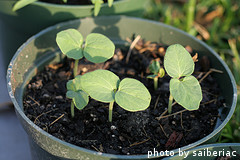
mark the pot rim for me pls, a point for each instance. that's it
(45, 4)
(107, 155)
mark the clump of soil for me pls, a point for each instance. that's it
(130, 133)
(71, 2)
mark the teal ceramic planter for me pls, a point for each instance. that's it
(42, 49)
(18, 26)
(210, 152)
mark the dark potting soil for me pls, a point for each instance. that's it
(130, 133)
(71, 2)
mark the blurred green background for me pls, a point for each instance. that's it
(217, 23)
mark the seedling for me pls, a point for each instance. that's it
(105, 86)
(157, 71)
(184, 88)
(97, 4)
(97, 49)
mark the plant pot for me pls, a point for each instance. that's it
(42, 49)
(20, 25)
(208, 150)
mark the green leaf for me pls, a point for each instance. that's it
(132, 95)
(65, 1)
(98, 48)
(151, 76)
(154, 67)
(70, 42)
(110, 2)
(97, 6)
(178, 62)
(22, 3)
(74, 85)
(80, 98)
(100, 85)
(186, 92)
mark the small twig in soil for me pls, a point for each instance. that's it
(213, 100)
(138, 143)
(209, 72)
(56, 120)
(34, 100)
(156, 102)
(163, 130)
(158, 118)
(131, 47)
(200, 75)
(210, 93)
(43, 114)
(95, 148)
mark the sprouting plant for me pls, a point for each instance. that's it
(157, 71)
(105, 86)
(184, 88)
(97, 49)
(97, 4)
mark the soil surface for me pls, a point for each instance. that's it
(130, 133)
(71, 2)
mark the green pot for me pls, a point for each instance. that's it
(210, 152)
(20, 25)
(42, 49)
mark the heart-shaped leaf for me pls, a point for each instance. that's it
(70, 42)
(132, 95)
(100, 85)
(186, 92)
(80, 98)
(178, 62)
(22, 3)
(98, 48)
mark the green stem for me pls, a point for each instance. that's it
(190, 14)
(110, 111)
(155, 83)
(75, 69)
(72, 109)
(170, 104)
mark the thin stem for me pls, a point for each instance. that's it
(155, 83)
(170, 104)
(75, 69)
(110, 111)
(190, 14)
(72, 109)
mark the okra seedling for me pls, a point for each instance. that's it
(105, 86)
(157, 71)
(97, 49)
(97, 4)
(184, 88)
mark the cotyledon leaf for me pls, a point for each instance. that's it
(178, 62)
(80, 98)
(132, 95)
(70, 43)
(22, 3)
(100, 85)
(186, 92)
(98, 48)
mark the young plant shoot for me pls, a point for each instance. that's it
(97, 4)
(184, 88)
(98, 48)
(105, 86)
(157, 71)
